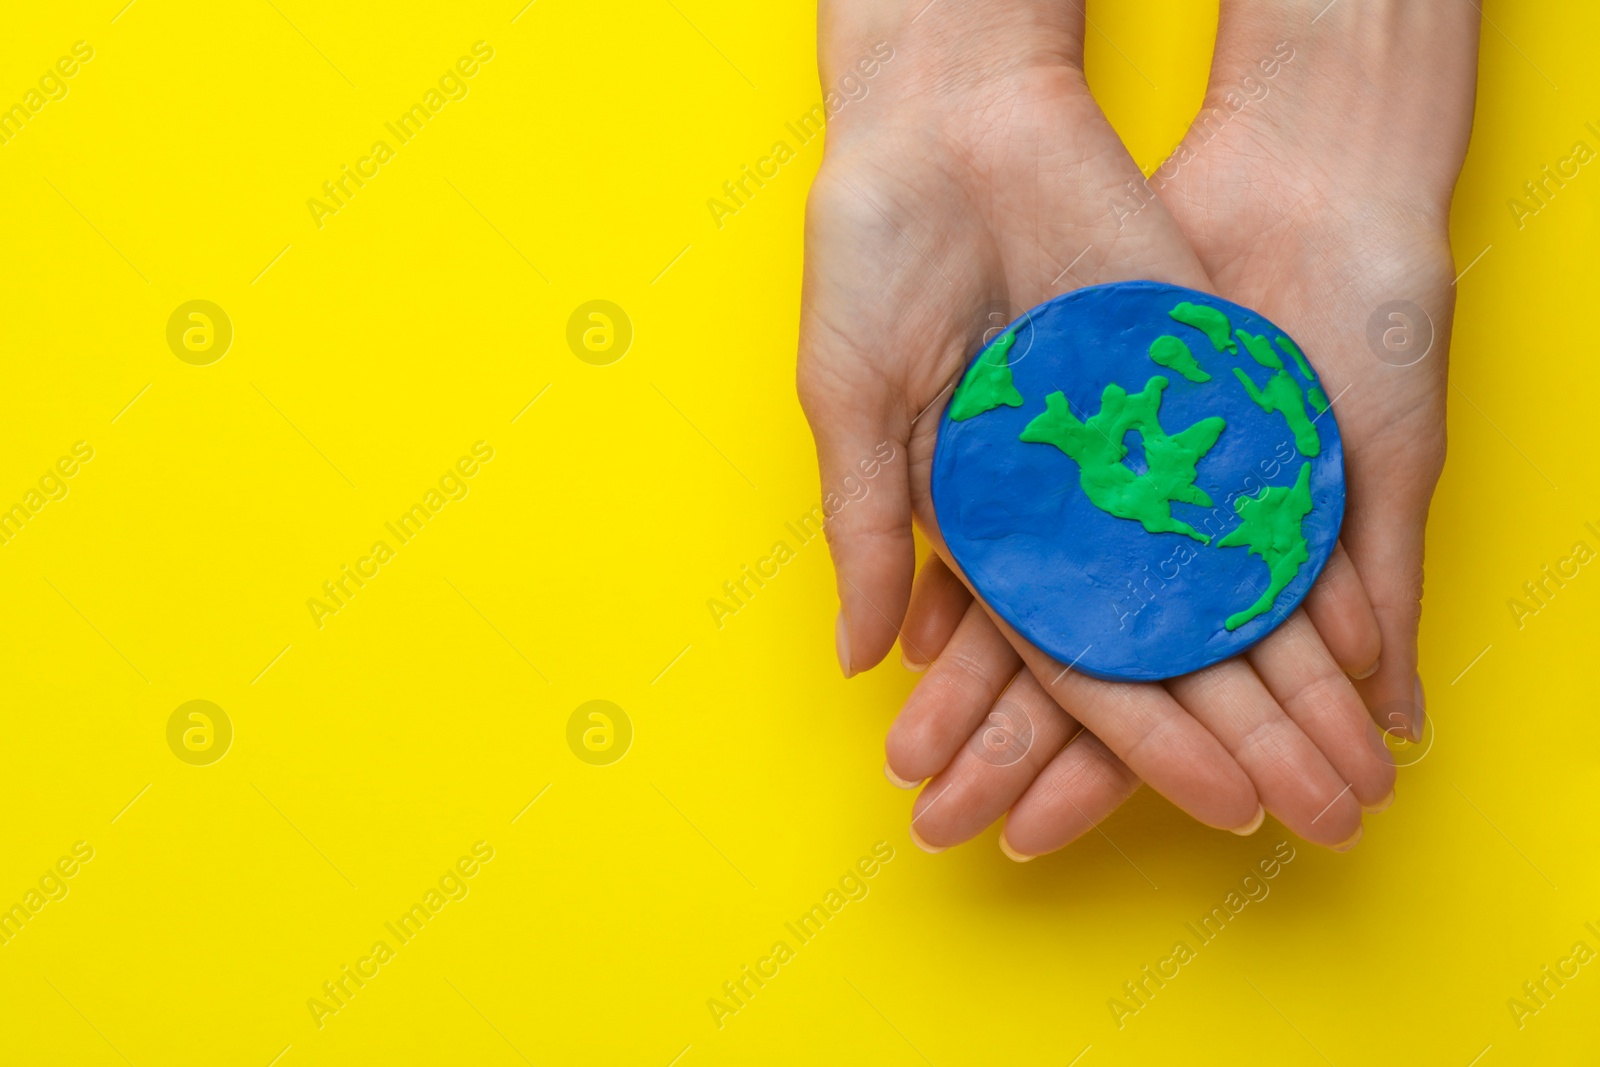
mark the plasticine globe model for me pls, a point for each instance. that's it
(1142, 479)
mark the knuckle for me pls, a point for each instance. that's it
(1321, 694)
(1088, 787)
(1149, 744)
(969, 671)
(1270, 747)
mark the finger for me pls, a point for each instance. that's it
(1153, 734)
(1077, 790)
(1386, 548)
(868, 535)
(1022, 732)
(1338, 607)
(1296, 783)
(949, 701)
(1314, 692)
(938, 602)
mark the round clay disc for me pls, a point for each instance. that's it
(1141, 479)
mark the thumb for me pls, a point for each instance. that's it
(1386, 546)
(866, 507)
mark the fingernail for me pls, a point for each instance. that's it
(1346, 846)
(1254, 824)
(916, 839)
(911, 665)
(1369, 672)
(1420, 719)
(1382, 805)
(841, 643)
(899, 782)
(1011, 853)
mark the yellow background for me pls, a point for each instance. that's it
(425, 716)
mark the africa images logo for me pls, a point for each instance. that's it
(452, 85)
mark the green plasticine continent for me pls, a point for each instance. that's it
(1281, 394)
(1260, 351)
(1299, 358)
(1318, 398)
(1272, 527)
(1172, 353)
(1210, 321)
(988, 384)
(1096, 446)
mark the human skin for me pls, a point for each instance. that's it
(975, 176)
(1316, 205)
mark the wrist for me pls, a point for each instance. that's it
(953, 36)
(1376, 96)
(931, 65)
(1358, 45)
